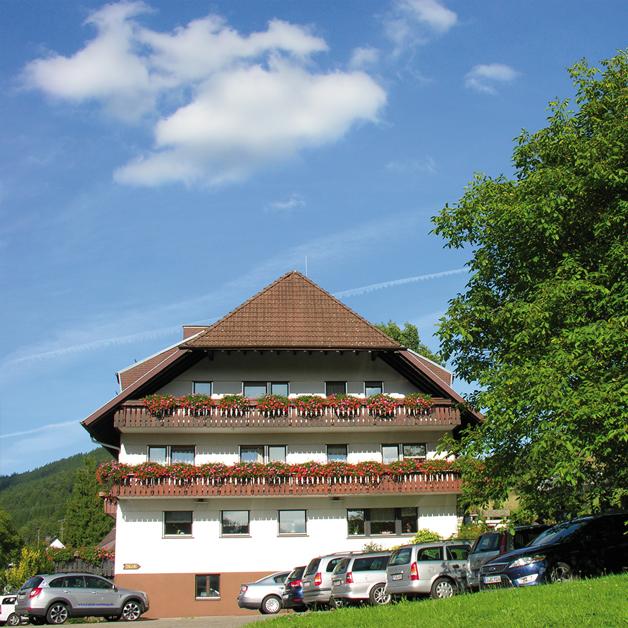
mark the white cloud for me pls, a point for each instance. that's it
(486, 77)
(247, 99)
(413, 22)
(363, 57)
(286, 205)
(245, 118)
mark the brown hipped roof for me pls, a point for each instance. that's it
(293, 313)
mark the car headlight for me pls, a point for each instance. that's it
(527, 560)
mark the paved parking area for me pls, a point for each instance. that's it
(204, 622)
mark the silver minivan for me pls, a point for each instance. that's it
(317, 577)
(360, 578)
(435, 569)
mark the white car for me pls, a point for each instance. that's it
(7, 611)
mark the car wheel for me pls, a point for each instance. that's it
(58, 613)
(13, 620)
(378, 595)
(560, 572)
(131, 611)
(443, 588)
(271, 605)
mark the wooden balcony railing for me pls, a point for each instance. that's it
(407, 483)
(134, 414)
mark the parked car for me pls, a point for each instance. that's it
(438, 569)
(360, 578)
(53, 598)
(292, 596)
(7, 611)
(586, 546)
(263, 595)
(496, 542)
(317, 579)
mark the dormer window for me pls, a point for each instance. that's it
(335, 388)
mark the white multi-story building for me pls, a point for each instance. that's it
(190, 535)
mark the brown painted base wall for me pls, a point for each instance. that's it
(172, 594)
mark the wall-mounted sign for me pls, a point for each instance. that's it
(130, 566)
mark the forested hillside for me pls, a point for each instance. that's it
(37, 500)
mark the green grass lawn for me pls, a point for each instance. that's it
(596, 602)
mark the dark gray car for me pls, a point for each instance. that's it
(317, 579)
(54, 598)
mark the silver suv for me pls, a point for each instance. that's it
(361, 578)
(53, 598)
(439, 569)
(316, 580)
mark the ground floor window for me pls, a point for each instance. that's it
(292, 522)
(207, 586)
(235, 522)
(380, 521)
(178, 523)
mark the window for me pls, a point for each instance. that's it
(67, 582)
(414, 450)
(401, 557)
(235, 522)
(276, 453)
(373, 563)
(94, 582)
(182, 453)
(382, 520)
(373, 388)
(262, 453)
(292, 522)
(202, 388)
(335, 388)
(178, 523)
(429, 553)
(158, 453)
(372, 521)
(356, 522)
(254, 390)
(336, 453)
(166, 454)
(250, 453)
(457, 552)
(279, 388)
(208, 586)
(390, 453)
(331, 565)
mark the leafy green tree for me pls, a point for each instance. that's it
(85, 520)
(10, 540)
(409, 338)
(541, 326)
(31, 562)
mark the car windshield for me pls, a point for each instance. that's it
(486, 543)
(558, 533)
(296, 574)
(400, 557)
(341, 567)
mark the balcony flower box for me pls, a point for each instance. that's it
(234, 405)
(310, 406)
(196, 405)
(345, 406)
(272, 406)
(417, 404)
(160, 406)
(383, 406)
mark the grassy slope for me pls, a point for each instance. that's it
(597, 602)
(36, 499)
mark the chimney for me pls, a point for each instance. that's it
(190, 330)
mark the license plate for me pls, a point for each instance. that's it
(397, 576)
(306, 584)
(337, 582)
(492, 579)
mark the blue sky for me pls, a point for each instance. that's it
(163, 161)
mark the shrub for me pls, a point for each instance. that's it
(471, 531)
(426, 536)
(373, 547)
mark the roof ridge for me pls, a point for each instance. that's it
(258, 294)
(347, 308)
